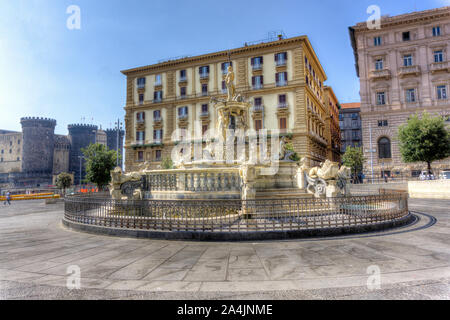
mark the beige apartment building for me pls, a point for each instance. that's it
(403, 69)
(283, 80)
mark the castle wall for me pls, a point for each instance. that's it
(11, 152)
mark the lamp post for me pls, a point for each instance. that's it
(119, 127)
(81, 168)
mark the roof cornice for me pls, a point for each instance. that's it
(219, 54)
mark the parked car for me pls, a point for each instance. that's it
(445, 175)
(424, 175)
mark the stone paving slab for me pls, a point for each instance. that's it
(35, 251)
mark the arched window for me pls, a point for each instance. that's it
(384, 148)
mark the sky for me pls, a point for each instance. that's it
(73, 75)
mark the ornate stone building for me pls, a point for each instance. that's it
(350, 124)
(403, 69)
(333, 129)
(36, 155)
(283, 80)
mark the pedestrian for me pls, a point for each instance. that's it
(385, 177)
(8, 198)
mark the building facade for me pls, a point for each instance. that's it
(333, 128)
(283, 80)
(350, 124)
(403, 69)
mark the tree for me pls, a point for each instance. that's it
(424, 139)
(354, 159)
(63, 181)
(99, 163)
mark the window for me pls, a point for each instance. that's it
(204, 72)
(382, 123)
(158, 154)
(225, 66)
(381, 98)
(141, 98)
(157, 135)
(410, 95)
(183, 92)
(354, 116)
(157, 115)
(140, 136)
(158, 80)
(257, 82)
(183, 112)
(441, 92)
(436, 31)
(18, 141)
(281, 58)
(283, 124)
(204, 89)
(282, 101)
(281, 79)
(157, 96)
(355, 134)
(377, 41)
(140, 116)
(407, 60)
(182, 75)
(258, 102)
(384, 148)
(141, 83)
(257, 63)
(379, 64)
(258, 125)
(438, 56)
(406, 36)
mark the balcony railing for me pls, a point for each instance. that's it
(282, 83)
(258, 86)
(141, 86)
(380, 74)
(182, 116)
(182, 79)
(204, 114)
(258, 108)
(204, 75)
(281, 63)
(139, 121)
(409, 70)
(257, 66)
(282, 105)
(439, 66)
(157, 119)
(158, 100)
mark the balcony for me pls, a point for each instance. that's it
(258, 86)
(141, 86)
(282, 105)
(182, 80)
(182, 117)
(140, 121)
(257, 67)
(281, 62)
(380, 74)
(204, 115)
(258, 108)
(139, 143)
(158, 100)
(157, 120)
(204, 75)
(409, 71)
(439, 67)
(282, 83)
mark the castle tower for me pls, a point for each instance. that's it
(112, 142)
(81, 136)
(38, 145)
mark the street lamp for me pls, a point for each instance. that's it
(119, 127)
(81, 168)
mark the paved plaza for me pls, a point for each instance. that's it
(36, 251)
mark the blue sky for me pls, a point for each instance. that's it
(48, 70)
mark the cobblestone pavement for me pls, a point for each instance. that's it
(36, 251)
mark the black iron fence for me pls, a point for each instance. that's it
(236, 215)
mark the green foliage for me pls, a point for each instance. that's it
(424, 139)
(167, 164)
(63, 181)
(294, 157)
(354, 159)
(99, 162)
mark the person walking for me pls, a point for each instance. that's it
(385, 178)
(7, 198)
